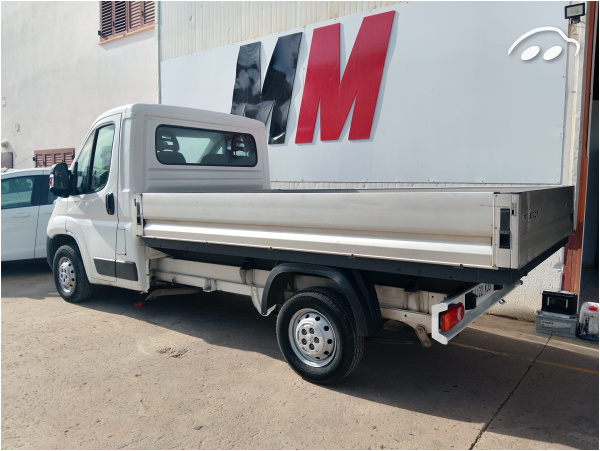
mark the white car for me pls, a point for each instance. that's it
(26, 208)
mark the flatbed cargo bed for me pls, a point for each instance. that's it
(492, 233)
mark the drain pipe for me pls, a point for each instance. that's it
(159, 40)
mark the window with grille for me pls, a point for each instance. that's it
(122, 18)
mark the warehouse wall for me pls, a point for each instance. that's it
(57, 78)
(194, 34)
(189, 27)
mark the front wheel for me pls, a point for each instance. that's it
(317, 336)
(69, 274)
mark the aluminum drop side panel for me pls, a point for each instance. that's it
(544, 218)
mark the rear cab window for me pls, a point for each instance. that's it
(201, 147)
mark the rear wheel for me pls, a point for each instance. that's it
(69, 274)
(318, 337)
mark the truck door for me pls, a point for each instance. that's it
(92, 208)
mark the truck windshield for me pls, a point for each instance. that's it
(193, 146)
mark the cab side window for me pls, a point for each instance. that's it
(81, 166)
(92, 165)
(101, 161)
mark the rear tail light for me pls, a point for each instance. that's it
(452, 316)
(51, 180)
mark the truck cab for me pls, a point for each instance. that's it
(144, 149)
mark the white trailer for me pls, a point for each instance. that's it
(163, 197)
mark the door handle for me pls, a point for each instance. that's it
(22, 215)
(110, 203)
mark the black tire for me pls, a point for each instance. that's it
(326, 316)
(69, 274)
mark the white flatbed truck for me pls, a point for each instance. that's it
(162, 197)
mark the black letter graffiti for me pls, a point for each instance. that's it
(276, 95)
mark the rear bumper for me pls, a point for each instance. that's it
(483, 304)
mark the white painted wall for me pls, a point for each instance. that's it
(56, 78)
(526, 299)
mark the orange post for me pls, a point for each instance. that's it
(572, 265)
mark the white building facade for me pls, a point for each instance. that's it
(58, 75)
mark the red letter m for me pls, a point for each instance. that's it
(361, 80)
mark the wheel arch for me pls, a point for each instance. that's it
(354, 285)
(52, 245)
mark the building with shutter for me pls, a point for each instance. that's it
(65, 63)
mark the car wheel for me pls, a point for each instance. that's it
(69, 274)
(317, 335)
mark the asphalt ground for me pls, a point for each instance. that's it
(205, 371)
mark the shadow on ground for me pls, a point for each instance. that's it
(15, 270)
(454, 382)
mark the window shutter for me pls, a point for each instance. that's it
(69, 157)
(39, 161)
(47, 158)
(120, 18)
(136, 15)
(148, 13)
(106, 20)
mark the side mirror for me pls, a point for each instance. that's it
(59, 180)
